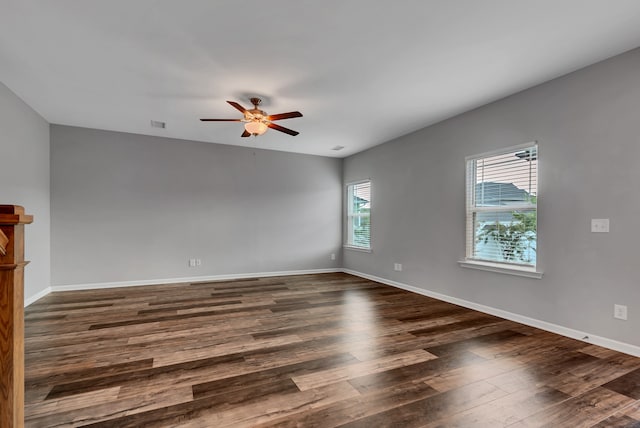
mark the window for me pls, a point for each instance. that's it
(359, 215)
(502, 192)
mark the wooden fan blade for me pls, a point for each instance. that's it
(245, 134)
(221, 120)
(281, 116)
(238, 106)
(282, 129)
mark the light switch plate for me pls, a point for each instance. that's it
(600, 225)
(620, 312)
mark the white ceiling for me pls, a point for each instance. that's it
(361, 71)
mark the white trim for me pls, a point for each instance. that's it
(501, 268)
(100, 285)
(353, 247)
(506, 208)
(39, 295)
(502, 151)
(543, 325)
(352, 183)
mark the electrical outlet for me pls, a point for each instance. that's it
(333, 256)
(600, 225)
(620, 312)
(192, 262)
(397, 267)
(198, 262)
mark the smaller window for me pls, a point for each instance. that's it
(359, 215)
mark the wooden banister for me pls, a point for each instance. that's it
(12, 263)
(3, 243)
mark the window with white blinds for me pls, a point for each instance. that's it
(502, 193)
(359, 215)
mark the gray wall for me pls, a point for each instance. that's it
(588, 128)
(130, 207)
(24, 180)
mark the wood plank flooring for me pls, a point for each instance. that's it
(310, 351)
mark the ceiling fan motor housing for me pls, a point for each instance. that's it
(255, 113)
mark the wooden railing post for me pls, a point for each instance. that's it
(4, 241)
(12, 263)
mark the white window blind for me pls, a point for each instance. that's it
(502, 192)
(359, 215)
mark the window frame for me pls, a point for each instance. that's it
(508, 267)
(349, 216)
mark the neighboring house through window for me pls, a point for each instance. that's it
(359, 215)
(502, 192)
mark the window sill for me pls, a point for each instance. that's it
(361, 249)
(501, 268)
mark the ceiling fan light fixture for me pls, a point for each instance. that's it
(256, 127)
(256, 122)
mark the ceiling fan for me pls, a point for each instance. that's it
(256, 121)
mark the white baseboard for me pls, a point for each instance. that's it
(543, 325)
(100, 285)
(29, 300)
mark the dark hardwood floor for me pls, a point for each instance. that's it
(312, 351)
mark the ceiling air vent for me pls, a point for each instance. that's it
(158, 124)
